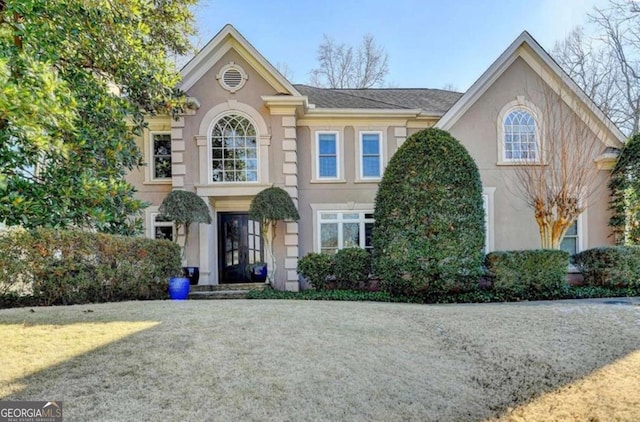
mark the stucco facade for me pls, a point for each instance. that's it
(328, 149)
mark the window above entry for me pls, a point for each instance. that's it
(234, 150)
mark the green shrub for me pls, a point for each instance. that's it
(316, 268)
(352, 268)
(429, 220)
(476, 295)
(530, 271)
(52, 267)
(610, 266)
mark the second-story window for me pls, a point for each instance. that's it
(234, 150)
(370, 155)
(327, 160)
(161, 159)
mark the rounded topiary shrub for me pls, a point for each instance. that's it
(352, 268)
(429, 231)
(316, 268)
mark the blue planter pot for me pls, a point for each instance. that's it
(179, 288)
(259, 274)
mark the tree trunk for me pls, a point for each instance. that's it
(269, 235)
(552, 232)
(184, 246)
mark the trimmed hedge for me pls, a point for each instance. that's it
(62, 267)
(348, 269)
(352, 268)
(610, 266)
(477, 295)
(316, 268)
(429, 220)
(528, 271)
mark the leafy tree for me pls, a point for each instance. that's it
(184, 208)
(429, 230)
(72, 74)
(625, 194)
(268, 207)
(339, 66)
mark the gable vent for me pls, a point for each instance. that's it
(232, 77)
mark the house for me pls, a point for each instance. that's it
(250, 128)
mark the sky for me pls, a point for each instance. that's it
(430, 43)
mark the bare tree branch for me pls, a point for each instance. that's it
(607, 67)
(559, 185)
(340, 67)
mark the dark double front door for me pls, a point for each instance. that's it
(239, 246)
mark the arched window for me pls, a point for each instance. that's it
(520, 136)
(234, 150)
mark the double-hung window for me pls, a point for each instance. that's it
(370, 155)
(327, 163)
(162, 228)
(344, 229)
(570, 242)
(161, 156)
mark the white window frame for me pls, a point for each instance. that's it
(151, 213)
(521, 103)
(581, 232)
(259, 155)
(360, 156)
(340, 221)
(152, 161)
(338, 175)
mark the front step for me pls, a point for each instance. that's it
(219, 294)
(228, 286)
(224, 291)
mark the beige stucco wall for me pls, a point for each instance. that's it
(515, 226)
(148, 190)
(210, 94)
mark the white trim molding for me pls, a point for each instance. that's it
(527, 48)
(488, 194)
(229, 38)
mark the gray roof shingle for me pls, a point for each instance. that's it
(431, 101)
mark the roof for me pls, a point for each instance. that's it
(229, 38)
(431, 101)
(503, 62)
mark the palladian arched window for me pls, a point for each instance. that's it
(520, 136)
(234, 150)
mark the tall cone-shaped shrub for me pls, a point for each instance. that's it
(429, 230)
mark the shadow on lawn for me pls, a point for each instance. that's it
(137, 369)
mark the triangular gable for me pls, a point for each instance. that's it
(229, 38)
(527, 48)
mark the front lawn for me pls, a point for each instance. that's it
(294, 360)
